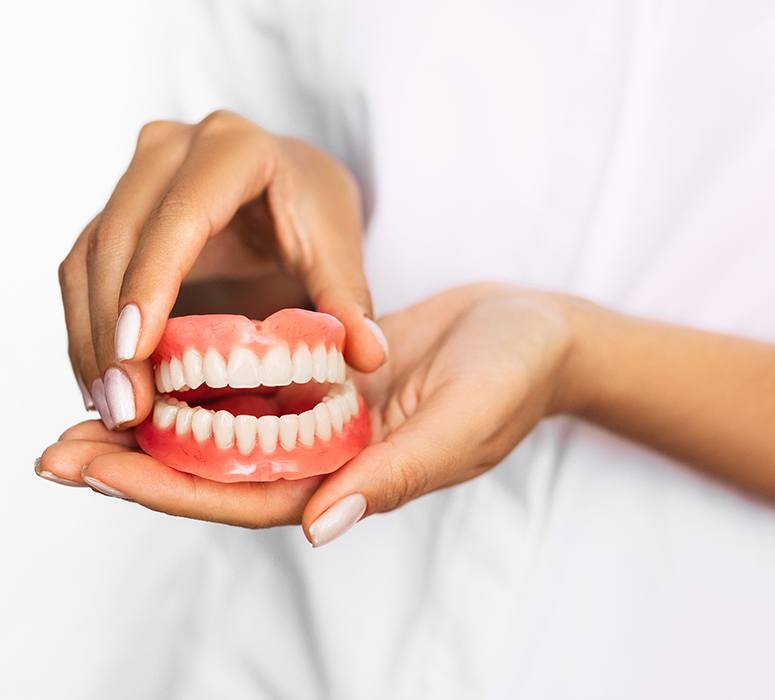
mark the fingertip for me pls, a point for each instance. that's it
(366, 348)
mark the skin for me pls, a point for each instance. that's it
(484, 364)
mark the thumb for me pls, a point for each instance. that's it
(426, 453)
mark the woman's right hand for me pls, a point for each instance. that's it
(222, 199)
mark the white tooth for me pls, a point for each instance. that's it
(341, 370)
(337, 419)
(276, 368)
(243, 370)
(192, 368)
(268, 428)
(346, 413)
(302, 364)
(351, 397)
(166, 381)
(307, 428)
(223, 429)
(289, 428)
(157, 379)
(319, 364)
(176, 374)
(164, 415)
(332, 365)
(245, 430)
(215, 369)
(322, 421)
(183, 420)
(202, 424)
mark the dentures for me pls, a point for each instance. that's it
(242, 400)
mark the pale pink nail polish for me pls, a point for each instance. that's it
(103, 488)
(50, 476)
(127, 332)
(120, 396)
(338, 519)
(376, 331)
(101, 403)
(88, 402)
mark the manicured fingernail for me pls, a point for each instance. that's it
(379, 335)
(101, 403)
(50, 476)
(103, 488)
(127, 332)
(120, 396)
(88, 402)
(338, 519)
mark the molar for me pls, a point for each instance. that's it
(164, 414)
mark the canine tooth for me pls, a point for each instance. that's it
(176, 374)
(245, 431)
(337, 419)
(183, 420)
(202, 424)
(223, 429)
(332, 364)
(243, 370)
(215, 369)
(192, 368)
(352, 399)
(289, 428)
(319, 364)
(163, 415)
(157, 379)
(346, 413)
(276, 366)
(268, 429)
(166, 381)
(307, 428)
(341, 370)
(322, 421)
(302, 364)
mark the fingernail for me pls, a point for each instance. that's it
(338, 519)
(87, 399)
(376, 331)
(50, 476)
(127, 332)
(103, 488)
(120, 395)
(101, 403)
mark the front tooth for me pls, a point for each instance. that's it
(289, 428)
(223, 429)
(202, 424)
(164, 415)
(332, 364)
(319, 364)
(307, 428)
(322, 421)
(302, 364)
(183, 420)
(157, 379)
(276, 366)
(176, 374)
(245, 430)
(244, 371)
(166, 381)
(337, 419)
(215, 369)
(341, 370)
(268, 429)
(192, 368)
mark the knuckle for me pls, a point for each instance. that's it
(157, 132)
(407, 481)
(66, 272)
(219, 121)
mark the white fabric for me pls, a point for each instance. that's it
(618, 149)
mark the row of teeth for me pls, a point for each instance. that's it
(245, 370)
(330, 415)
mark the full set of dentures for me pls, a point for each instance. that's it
(242, 400)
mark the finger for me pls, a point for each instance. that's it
(140, 478)
(73, 285)
(95, 430)
(161, 148)
(429, 450)
(62, 462)
(228, 164)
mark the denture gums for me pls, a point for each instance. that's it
(242, 400)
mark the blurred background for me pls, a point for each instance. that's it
(79, 571)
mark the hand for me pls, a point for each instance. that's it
(222, 199)
(471, 372)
